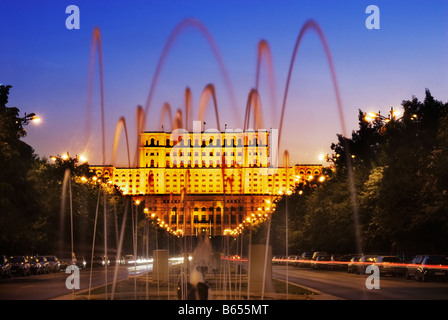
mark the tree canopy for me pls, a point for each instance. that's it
(399, 166)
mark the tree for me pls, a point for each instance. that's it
(399, 185)
(17, 205)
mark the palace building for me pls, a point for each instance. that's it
(207, 181)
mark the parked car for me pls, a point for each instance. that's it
(53, 263)
(305, 259)
(81, 262)
(279, 260)
(392, 265)
(276, 259)
(118, 260)
(428, 267)
(293, 260)
(365, 261)
(319, 253)
(35, 265)
(341, 262)
(352, 266)
(129, 258)
(65, 262)
(321, 262)
(20, 266)
(44, 263)
(5, 267)
(100, 261)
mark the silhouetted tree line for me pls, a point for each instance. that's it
(400, 182)
(35, 212)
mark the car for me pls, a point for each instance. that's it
(321, 262)
(20, 266)
(5, 267)
(64, 263)
(115, 260)
(81, 263)
(129, 258)
(319, 253)
(392, 265)
(100, 261)
(44, 263)
(53, 263)
(365, 261)
(428, 267)
(281, 260)
(341, 262)
(352, 266)
(305, 259)
(35, 265)
(68, 261)
(292, 260)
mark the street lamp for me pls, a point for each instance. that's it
(29, 117)
(394, 115)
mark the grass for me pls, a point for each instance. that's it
(280, 287)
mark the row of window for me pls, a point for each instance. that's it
(204, 154)
(211, 164)
(187, 143)
(207, 219)
(137, 175)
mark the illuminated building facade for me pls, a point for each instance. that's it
(207, 181)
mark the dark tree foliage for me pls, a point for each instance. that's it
(18, 208)
(400, 181)
(34, 216)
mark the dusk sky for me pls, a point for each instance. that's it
(48, 65)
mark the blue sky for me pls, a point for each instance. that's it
(47, 64)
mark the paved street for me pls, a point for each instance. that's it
(352, 286)
(338, 284)
(49, 286)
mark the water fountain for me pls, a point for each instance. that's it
(192, 283)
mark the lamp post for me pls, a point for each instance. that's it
(28, 117)
(394, 115)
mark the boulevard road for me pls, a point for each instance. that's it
(52, 285)
(343, 285)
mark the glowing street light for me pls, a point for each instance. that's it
(29, 117)
(394, 114)
(82, 159)
(35, 119)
